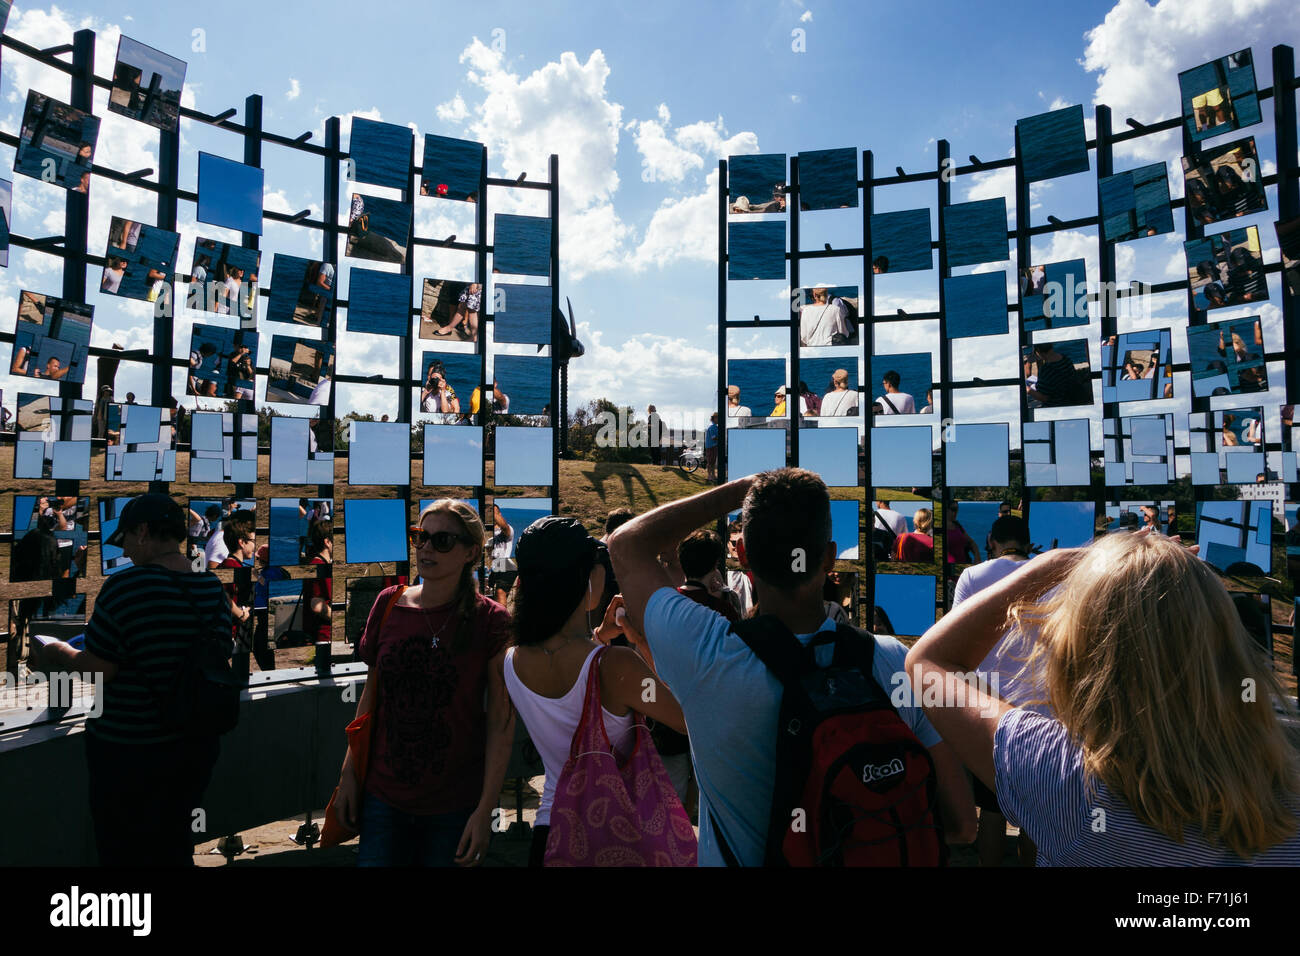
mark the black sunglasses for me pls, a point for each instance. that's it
(442, 541)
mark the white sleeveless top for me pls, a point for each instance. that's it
(552, 722)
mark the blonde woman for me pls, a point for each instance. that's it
(437, 755)
(1156, 755)
(917, 545)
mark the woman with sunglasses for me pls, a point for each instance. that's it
(437, 758)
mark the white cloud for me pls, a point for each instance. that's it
(295, 89)
(807, 17)
(453, 111)
(682, 230)
(1139, 49)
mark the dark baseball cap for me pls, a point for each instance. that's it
(152, 508)
(554, 542)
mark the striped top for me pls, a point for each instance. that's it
(1040, 787)
(144, 620)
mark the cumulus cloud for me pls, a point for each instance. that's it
(806, 17)
(295, 89)
(1138, 50)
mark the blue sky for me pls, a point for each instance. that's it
(640, 101)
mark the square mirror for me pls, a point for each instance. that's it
(450, 309)
(905, 604)
(147, 85)
(831, 453)
(897, 380)
(379, 303)
(230, 194)
(978, 455)
(209, 520)
(901, 457)
(524, 456)
(976, 305)
(846, 528)
(1057, 453)
(222, 363)
(1057, 374)
(50, 537)
(223, 279)
(378, 229)
(752, 386)
(976, 232)
(518, 514)
(756, 250)
(140, 262)
(1236, 536)
(379, 453)
(450, 386)
(900, 241)
(1136, 366)
(299, 530)
(521, 384)
(522, 314)
(1061, 524)
(453, 455)
(380, 153)
(53, 437)
(111, 558)
(753, 450)
(756, 184)
(1226, 269)
(1288, 239)
(223, 447)
(1053, 144)
(452, 168)
(1135, 204)
(56, 143)
(1144, 453)
(1054, 296)
(828, 179)
(375, 529)
(298, 456)
(1224, 182)
(302, 290)
(6, 217)
(828, 315)
(1227, 358)
(1158, 516)
(141, 444)
(521, 245)
(828, 387)
(52, 338)
(300, 371)
(360, 597)
(1219, 96)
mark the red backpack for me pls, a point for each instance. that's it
(854, 786)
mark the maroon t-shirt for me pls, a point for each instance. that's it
(430, 725)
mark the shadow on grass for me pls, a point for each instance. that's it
(602, 471)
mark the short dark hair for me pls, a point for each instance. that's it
(891, 378)
(617, 518)
(881, 263)
(786, 509)
(318, 534)
(700, 553)
(234, 530)
(1008, 529)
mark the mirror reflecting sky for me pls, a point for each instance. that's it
(453, 455)
(978, 455)
(375, 529)
(230, 194)
(524, 456)
(900, 457)
(907, 601)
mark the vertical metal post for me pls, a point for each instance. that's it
(1288, 192)
(481, 276)
(792, 423)
(866, 345)
(945, 360)
(1107, 298)
(720, 400)
(407, 347)
(553, 194)
(1022, 337)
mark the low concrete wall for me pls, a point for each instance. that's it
(282, 760)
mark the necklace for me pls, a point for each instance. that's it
(438, 633)
(568, 640)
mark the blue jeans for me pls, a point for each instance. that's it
(390, 837)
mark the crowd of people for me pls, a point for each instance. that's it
(646, 648)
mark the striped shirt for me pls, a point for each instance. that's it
(145, 618)
(1040, 786)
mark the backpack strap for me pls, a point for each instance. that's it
(885, 398)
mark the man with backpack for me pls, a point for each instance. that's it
(800, 756)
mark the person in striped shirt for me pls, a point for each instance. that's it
(145, 778)
(1165, 748)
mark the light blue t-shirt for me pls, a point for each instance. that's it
(731, 703)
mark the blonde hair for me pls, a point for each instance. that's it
(1156, 701)
(923, 520)
(466, 592)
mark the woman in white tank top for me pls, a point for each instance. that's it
(560, 583)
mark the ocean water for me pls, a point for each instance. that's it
(155, 249)
(526, 380)
(755, 176)
(976, 305)
(1053, 144)
(379, 302)
(758, 380)
(904, 239)
(521, 245)
(756, 250)
(524, 315)
(1072, 278)
(976, 232)
(380, 152)
(828, 179)
(914, 369)
(454, 163)
(286, 527)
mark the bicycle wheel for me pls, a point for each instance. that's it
(689, 464)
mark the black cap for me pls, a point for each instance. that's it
(554, 542)
(147, 509)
